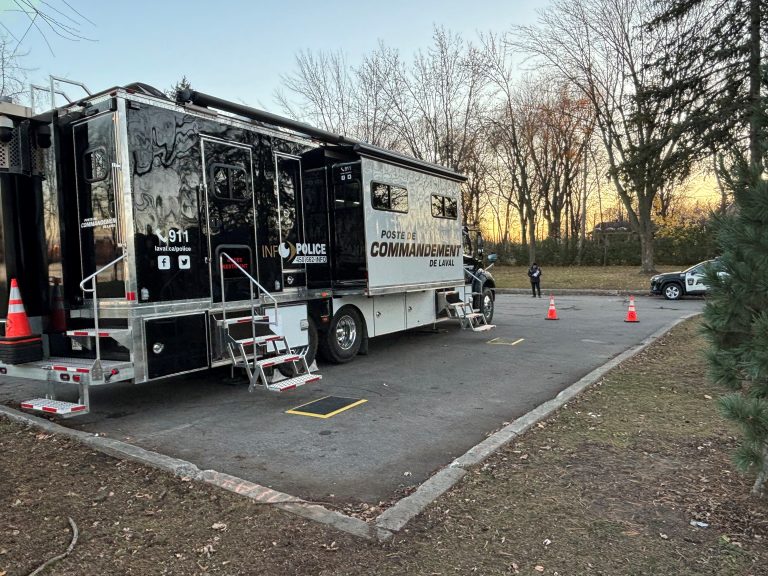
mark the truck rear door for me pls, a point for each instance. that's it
(98, 202)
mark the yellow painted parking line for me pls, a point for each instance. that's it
(308, 403)
(299, 412)
(503, 342)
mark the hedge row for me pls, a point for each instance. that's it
(687, 245)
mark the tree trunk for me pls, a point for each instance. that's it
(758, 488)
(644, 225)
(583, 216)
(531, 241)
(646, 248)
(755, 119)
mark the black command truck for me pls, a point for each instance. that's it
(152, 238)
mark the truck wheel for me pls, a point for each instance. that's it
(342, 340)
(308, 351)
(484, 303)
(672, 291)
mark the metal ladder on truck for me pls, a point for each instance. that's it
(81, 372)
(260, 354)
(468, 316)
(465, 312)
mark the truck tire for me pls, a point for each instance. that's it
(342, 341)
(672, 291)
(309, 351)
(484, 302)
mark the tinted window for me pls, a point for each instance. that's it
(348, 193)
(444, 207)
(95, 164)
(388, 197)
(229, 182)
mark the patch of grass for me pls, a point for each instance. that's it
(579, 277)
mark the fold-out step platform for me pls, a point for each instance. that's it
(292, 383)
(275, 360)
(120, 335)
(102, 332)
(245, 320)
(54, 406)
(483, 327)
(259, 340)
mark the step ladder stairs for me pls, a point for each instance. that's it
(469, 317)
(82, 372)
(259, 355)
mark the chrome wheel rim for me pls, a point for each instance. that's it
(487, 306)
(346, 332)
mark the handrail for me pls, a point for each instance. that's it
(473, 276)
(92, 279)
(99, 271)
(253, 283)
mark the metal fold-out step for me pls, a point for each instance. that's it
(292, 383)
(58, 407)
(258, 340)
(120, 335)
(270, 362)
(266, 351)
(263, 355)
(258, 319)
(469, 317)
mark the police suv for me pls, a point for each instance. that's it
(675, 285)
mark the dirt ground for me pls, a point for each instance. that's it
(611, 485)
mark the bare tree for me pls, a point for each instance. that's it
(46, 20)
(435, 103)
(567, 125)
(602, 47)
(322, 83)
(509, 136)
(12, 73)
(430, 109)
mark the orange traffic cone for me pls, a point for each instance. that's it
(16, 324)
(631, 313)
(552, 313)
(19, 345)
(58, 321)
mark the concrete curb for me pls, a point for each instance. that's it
(388, 522)
(406, 509)
(397, 516)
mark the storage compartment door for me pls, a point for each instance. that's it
(176, 345)
(388, 314)
(419, 308)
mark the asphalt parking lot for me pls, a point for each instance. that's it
(430, 396)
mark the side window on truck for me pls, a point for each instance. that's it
(95, 164)
(229, 182)
(444, 207)
(388, 197)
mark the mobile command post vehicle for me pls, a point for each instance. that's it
(153, 238)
